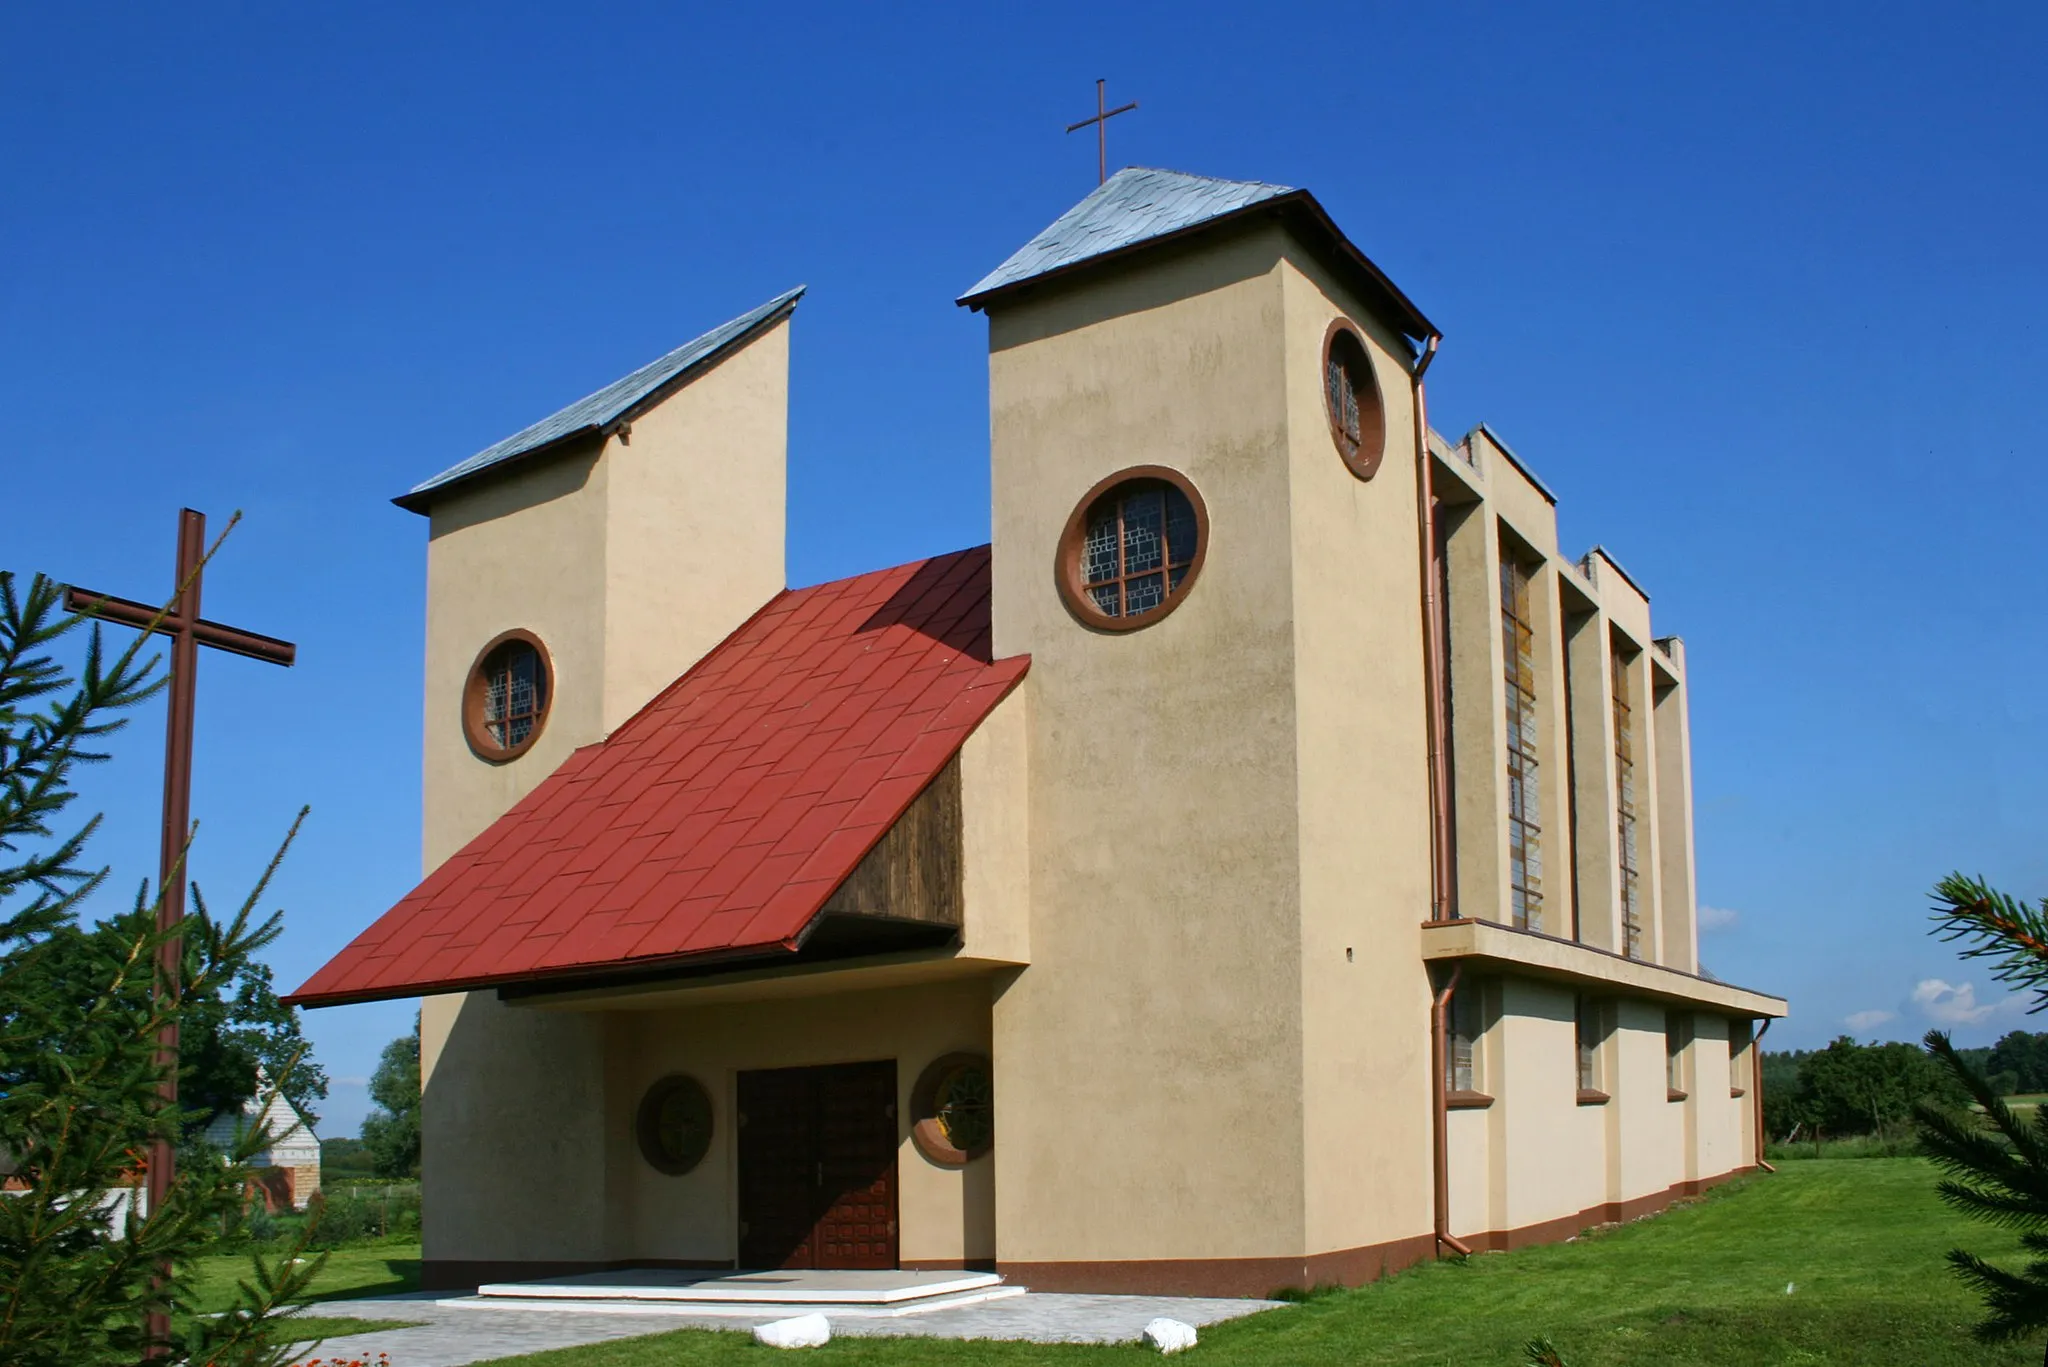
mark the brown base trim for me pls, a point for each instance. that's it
(1223, 1276)
(467, 1274)
(1346, 1267)
(1607, 1213)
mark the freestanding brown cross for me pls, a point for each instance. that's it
(1101, 122)
(188, 631)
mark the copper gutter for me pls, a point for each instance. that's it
(1439, 1118)
(1756, 1064)
(1439, 803)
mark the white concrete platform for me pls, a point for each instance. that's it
(751, 1310)
(449, 1337)
(750, 1292)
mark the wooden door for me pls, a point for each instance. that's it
(817, 1167)
(777, 1192)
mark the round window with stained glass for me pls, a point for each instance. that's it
(505, 700)
(953, 1109)
(1132, 549)
(674, 1124)
(1351, 392)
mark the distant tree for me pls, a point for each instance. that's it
(227, 1031)
(79, 1072)
(391, 1132)
(342, 1157)
(1851, 1088)
(2022, 1053)
(1996, 1163)
(1782, 1107)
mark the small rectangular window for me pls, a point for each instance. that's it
(1739, 1040)
(1677, 1034)
(1591, 1035)
(1461, 1059)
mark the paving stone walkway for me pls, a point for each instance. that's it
(454, 1336)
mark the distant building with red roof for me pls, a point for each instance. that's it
(1268, 862)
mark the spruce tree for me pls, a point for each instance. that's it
(1996, 1164)
(80, 1014)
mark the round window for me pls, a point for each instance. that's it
(953, 1109)
(1358, 420)
(1132, 549)
(674, 1124)
(505, 700)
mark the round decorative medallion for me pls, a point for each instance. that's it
(674, 1124)
(953, 1109)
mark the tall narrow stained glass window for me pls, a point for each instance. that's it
(1525, 810)
(1140, 541)
(1625, 812)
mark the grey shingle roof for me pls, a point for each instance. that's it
(1132, 206)
(617, 400)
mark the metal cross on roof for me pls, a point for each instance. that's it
(1101, 122)
(188, 631)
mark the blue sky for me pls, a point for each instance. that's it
(1757, 291)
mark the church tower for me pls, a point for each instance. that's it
(574, 570)
(1203, 439)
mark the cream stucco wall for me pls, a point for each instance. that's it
(1361, 790)
(1165, 987)
(696, 508)
(1536, 1156)
(995, 835)
(515, 1161)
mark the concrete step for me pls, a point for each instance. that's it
(744, 1293)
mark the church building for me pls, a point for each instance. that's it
(1268, 862)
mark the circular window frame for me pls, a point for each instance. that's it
(647, 1121)
(1067, 558)
(925, 1130)
(480, 743)
(1364, 456)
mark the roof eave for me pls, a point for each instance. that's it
(483, 982)
(1406, 315)
(421, 500)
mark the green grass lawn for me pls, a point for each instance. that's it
(1860, 1242)
(380, 1269)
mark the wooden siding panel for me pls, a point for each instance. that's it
(915, 873)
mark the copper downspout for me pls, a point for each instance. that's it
(1440, 1115)
(1433, 654)
(1756, 1064)
(1439, 803)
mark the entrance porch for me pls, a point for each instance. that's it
(552, 1150)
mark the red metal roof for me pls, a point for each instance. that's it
(722, 815)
